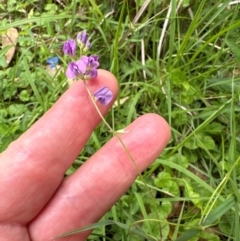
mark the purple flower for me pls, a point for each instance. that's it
(76, 69)
(93, 61)
(82, 39)
(69, 47)
(91, 66)
(85, 68)
(103, 95)
(53, 61)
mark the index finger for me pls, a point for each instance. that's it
(34, 165)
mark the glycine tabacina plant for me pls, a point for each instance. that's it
(85, 67)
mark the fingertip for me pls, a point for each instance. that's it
(150, 133)
(158, 126)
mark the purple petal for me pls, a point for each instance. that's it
(94, 73)
(82, 66)
(71, 72)
(85, 59)
(103, 95)
(93, 61)
(82, 37)
(69, 47)
(76, 69)
(91, 74)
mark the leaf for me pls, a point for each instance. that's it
(128, 228)
(162, 179)
(158, 228)
(165, 181)
(209, 236)
(219, 211)
(190, 192)
(10, 39)
(3, 128)
(225, 226)
(191, 144)
(4, 142)
(24, 96)
(185, 3)
(177, 77)
(234, 49)
(206, 142)
(70, 170)
(179, 159)
(17, 109)
(165, 208)
(189, 234)
(191, 155)
(172, 188)
(214, 128)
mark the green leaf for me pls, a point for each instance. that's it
(179, 159)
(191, 144)
(24, 96)
(16, 109)
(128, 228)
(3, 129)
(189, 234)
(160, 228)
(162, 179)
(191, 155)
(209, 236)
(225, 226)
(218, 212)
(177, 76)
(165, 181)
(172, 188)
(234, 49)
(185, 85)
(4, 50)
(3, 62)
(206, 142)
(164, 209)
(4, 142)
(185, 3)
(214, 128)
(179, 118)
(70, 170)
(190, 192)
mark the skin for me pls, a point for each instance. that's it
(37, 203)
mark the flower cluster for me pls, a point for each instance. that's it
(85, 67)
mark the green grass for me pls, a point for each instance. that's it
(189, 75)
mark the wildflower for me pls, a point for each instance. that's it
(69, 47)
(76, 69)
(53, 61)
(103, 95)
(93, 61)
(82, 39)
(85, 68)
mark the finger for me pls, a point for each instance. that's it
(85, 196)
(33, 166)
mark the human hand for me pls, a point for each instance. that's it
(36, 202)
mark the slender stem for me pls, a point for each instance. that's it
(111, 130)
(125, 148)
